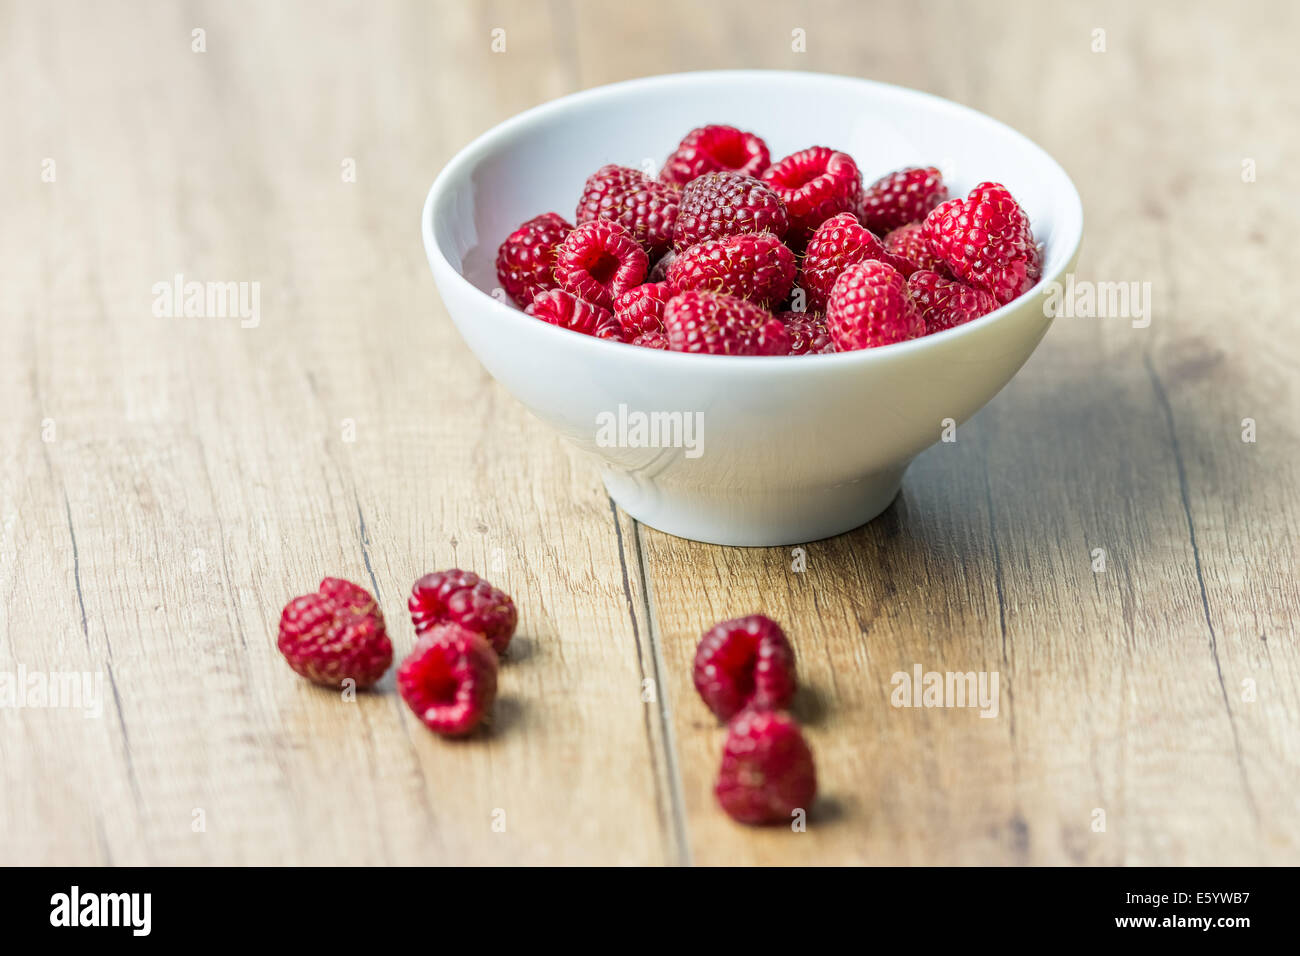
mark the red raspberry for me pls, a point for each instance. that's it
(652, 340)
(723, 204)
(645, 207)
(815, 184)
(744, 662)
(718, 324)
(659, 271)
(944, 303)
(642, 309)
(901, 197)
(462, 597)
(336, 634)
(598, 261)
(756, 266)
(986, 241)
(713, 148)
(808, 333)
(869, 307)
(907, 244)
(767, 770)
(526, 260)
(449, 679)
(569, 312)
(839, 242)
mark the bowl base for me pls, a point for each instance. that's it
(763, 520)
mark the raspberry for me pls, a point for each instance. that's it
(755, 265)
(723, 204)
(652, 340)
(869, 307)
(908, 245)
(815, 184)
(714, 148)
(569, 312)
(645, 207)
(718, 324)
(659, 271)
(526, 260)
(598, 261)
(742, 663)
(901, 197)
(336, 634)
(986, 241)
(839, 242)
(449, 679)
(462, 597)
(767, 770)
(642, 309)
(944, 303)
(808, 333)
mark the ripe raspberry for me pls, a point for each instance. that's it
(449, 679)
(756, 266)
(642, 309)
(335, 635)
(907, 244)
(526, 260)
(901, 197)
(724, 204)
(569, 312)
(744, 662)
(869, 307)
(986, 241)
(808, 333)
(944, 303)
(815, 184)
(710, 322)
(598, 261)
(767, 770)
(839, 242)
(645, 207)
(714, 148)
(462, 597)
(652, 340)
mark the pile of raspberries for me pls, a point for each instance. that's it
(744, 672)
(727, 253)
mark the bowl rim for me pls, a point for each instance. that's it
(473, 152)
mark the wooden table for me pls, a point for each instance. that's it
(169, 482)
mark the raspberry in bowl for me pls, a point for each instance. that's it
(714, 409)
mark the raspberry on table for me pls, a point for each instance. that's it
(566, 310)
(745, 662)
(645, 207)
(944, 303)
(336, 634)
(449, 680)
(715, 148)
(462, 597)
(526, 260)
(869, 307)
(838, 243)
(718, 324)
(904, 196)
(717, 205)
(986, 241)
(808, 333)
(814, 184)
(755, 266)
(641, 309)
(767, 770)
(907, 244)
(599, 260)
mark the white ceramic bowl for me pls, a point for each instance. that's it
(793, 448)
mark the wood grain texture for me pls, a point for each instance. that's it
(167, 483)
